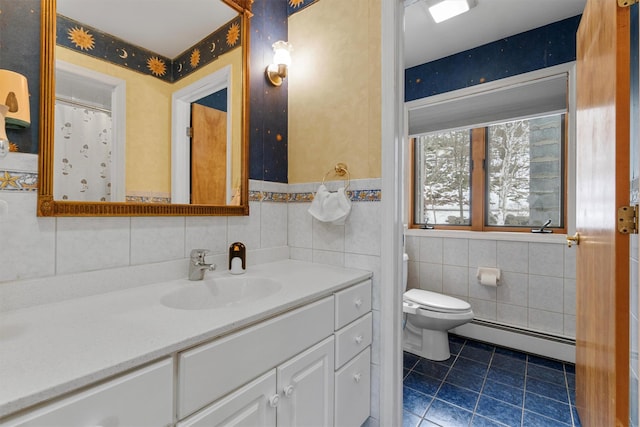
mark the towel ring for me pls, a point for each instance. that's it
(340, 169)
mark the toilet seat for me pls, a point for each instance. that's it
(435, 301)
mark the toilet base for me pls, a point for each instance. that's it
(427, 343)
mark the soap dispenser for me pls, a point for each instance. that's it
(237, 258)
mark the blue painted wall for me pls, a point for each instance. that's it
(268, 104)
(20, 52)
(539, 48)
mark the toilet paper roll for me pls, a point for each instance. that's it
(488, 276)
(489, 279)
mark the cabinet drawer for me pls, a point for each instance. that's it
(353, 391)
(210, 371)
(352, 303)
(141, 398)
(252, 405)
(352, 339)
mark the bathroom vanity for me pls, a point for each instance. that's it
(297, 354)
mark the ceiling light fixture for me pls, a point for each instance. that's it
(441, 10)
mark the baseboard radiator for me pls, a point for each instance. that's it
(535, 342)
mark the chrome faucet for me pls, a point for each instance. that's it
(197, 266)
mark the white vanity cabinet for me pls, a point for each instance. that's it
(307, 367)
(353, 332)
(142, 398)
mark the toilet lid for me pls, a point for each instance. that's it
(436, 301)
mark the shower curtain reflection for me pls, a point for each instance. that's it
(82, 158)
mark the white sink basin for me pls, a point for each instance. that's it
(220, 292)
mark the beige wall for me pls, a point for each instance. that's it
(148, 136)
(334, 89)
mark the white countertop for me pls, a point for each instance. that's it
(51, 349)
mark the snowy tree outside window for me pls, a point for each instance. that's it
(523, 174)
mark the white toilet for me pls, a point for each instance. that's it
(430, 315)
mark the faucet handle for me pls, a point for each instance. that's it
(199, 254)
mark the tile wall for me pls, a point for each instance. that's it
(131, 248)
(537, 285)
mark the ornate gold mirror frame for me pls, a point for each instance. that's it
(47, 206)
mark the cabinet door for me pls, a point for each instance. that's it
(141, 398)
(251, 405)
(353, 391)
(306, 386)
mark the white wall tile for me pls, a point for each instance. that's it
(245, 229)
(273, 224)
(413, 276)
(301, 254)
(431, 276)
(546, 259)
(155, 239)
(455, 280)
(570, 296)
(483, 309)
(328, 257)
(431, 250)
(85, 244)
(546, 293)
(546, 321)
(478, 290)
(412, 247)
(513, 256)
(300, 225)
(206, 232)
(512, 315)
(569, 325)
(327, 236)
(570, 262)
(482, 253)
(455, 252)
(514, 289)
(30, 239)
(362, 229)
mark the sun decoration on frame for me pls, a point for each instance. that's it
(195, 58)
(156, 66)
(233, 34)
(295, 3)
(81, 38)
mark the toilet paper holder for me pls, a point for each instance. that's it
(488, 276)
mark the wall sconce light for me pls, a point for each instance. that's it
(441, 10)
(14, 106)
(277, 71)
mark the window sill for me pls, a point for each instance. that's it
(556, 238)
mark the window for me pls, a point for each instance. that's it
(505, 176)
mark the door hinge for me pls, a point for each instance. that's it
(626, 3)
(190, 132)
(628, 219)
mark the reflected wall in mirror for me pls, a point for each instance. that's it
(114, 123)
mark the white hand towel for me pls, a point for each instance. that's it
(330, 207)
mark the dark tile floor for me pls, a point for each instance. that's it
(484, 385)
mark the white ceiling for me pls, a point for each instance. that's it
(489, 21)
(167, 27)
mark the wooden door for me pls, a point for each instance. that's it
(208, 155)
(602, 323)
(306, 387)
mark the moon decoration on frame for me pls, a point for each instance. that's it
(213, 47)
(124, 54)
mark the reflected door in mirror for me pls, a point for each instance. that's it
(208, 155)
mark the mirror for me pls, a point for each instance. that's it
(155, 147)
